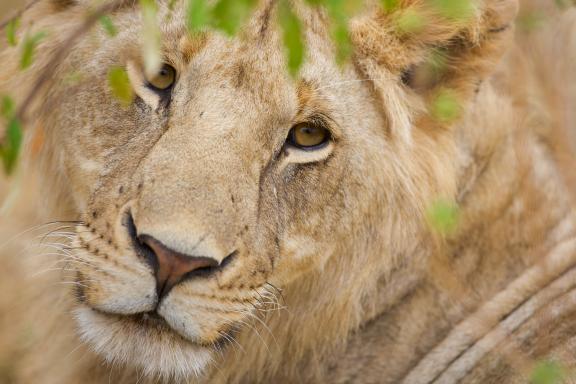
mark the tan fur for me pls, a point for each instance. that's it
(340, 238)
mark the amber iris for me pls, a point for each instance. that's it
(164, 79)
(308, 135)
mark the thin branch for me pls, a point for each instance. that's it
(17, 13)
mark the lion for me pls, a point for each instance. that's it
(235, 224)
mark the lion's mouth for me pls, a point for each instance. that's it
(151, 319)
(153, 322)
(145, 341)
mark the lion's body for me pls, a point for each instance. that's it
(387, 301)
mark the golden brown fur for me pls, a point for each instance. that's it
(373, 294)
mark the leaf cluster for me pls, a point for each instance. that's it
(228, 16)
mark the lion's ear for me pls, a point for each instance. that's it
(424, 46)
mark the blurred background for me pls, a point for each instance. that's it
(7, 5)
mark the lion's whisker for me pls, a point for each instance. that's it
(253, 328)
(65, 235)
(234, 342)
(73, 283)
(334, 84)
(277, 290)
(266, 328)
(29, 230)
(232, 339)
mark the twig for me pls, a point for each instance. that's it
(16, 14)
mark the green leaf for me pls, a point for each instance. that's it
(454, 9)
(28, 49)
(292, 37)
(443, 216)
(7, 107)
(228, 15)
(11, 28)
(389, 5)
(340, 12)
(343, 9)
(548, 372)
(342, 40)
(10, 148)
(445, 107)
(197, 15)
(410, 21)
(108, 26)
(151, 37)
(120, 86)
(438, 59)
(316, 2)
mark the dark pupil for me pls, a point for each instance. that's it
(308, 130)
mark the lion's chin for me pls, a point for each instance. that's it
(150, 346)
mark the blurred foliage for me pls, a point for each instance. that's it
(108, 26)
(409, 22)
(120, 85)
(389, 5)
(7, 107)
(13, 138)
(445, 106)
(10, 148)
(197, 15)
(11, 28)
(151, 37)
(228, 16)
(340, 12)
(453, 9)
(292, 32)
(548, 372)
(28, 48)
(443, 216)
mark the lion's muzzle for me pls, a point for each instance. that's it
(172, 267)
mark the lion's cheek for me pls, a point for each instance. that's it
(300, 255)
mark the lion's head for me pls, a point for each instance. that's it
(226, 180)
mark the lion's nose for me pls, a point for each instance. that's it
(172, 267)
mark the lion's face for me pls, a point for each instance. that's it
(226, 180)
(200, 199)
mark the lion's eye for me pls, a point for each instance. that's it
(164, 79)
(308, 136)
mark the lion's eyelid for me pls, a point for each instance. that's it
(138, 82)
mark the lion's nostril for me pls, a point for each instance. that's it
(228, 259)
(171, 267)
